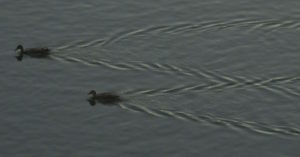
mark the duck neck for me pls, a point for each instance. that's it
(21, 49)
(93, 95)
(20, 57)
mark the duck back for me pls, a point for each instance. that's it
(37, 52)
(108, 98)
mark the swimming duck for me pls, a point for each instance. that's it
(104, 98)
(32, 52)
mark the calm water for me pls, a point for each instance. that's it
(210, 78)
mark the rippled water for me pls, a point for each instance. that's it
(209, 78)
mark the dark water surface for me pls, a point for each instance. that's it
(210, 78)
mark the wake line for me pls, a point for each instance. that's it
(138, 66)
(251, 126)
(218, 81)
(211, 25)
(186, 71)
(180, 28)
(202, 87)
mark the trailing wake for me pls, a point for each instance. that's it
(183, 28)
(217, 81)
(250, 126)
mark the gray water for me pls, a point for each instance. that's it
(200, 78)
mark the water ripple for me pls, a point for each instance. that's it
(250, 126)
(183, 28)
(218, 81)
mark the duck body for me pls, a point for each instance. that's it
(106, 98)
(37, 52)
(32, 52)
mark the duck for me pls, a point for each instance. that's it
(105, 98)
(32, 52)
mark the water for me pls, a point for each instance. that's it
(210, 78)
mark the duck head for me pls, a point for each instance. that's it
(20, 56)
(20, 47)
(91, 100)
(93, 93)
